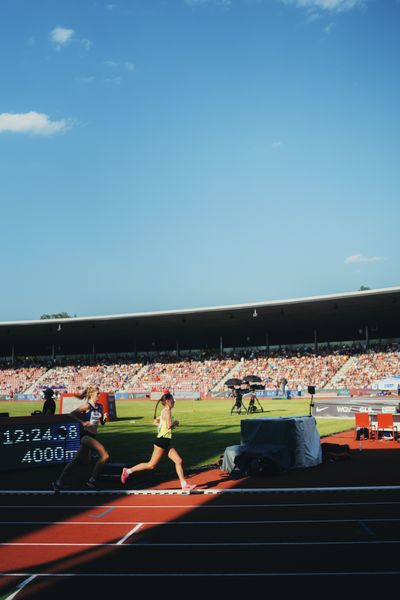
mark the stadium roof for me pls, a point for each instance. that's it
(372, 314)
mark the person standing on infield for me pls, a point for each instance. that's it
(162, 444)
(49, 406)
(88, 415)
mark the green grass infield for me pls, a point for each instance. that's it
(206, 428)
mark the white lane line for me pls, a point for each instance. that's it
(207, 506)
(216, 491)
(201, 544)
(131, 532)
(255, 522)
(278, 574)
(20, 586)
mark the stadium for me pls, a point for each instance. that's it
(199, 331)
(155, 349)
(341, 345)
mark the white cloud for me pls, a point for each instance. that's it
(194, 3)
(87, 44)
(31, 122)
(110, 6)
(112, 64)
(275, 145)
(313, 16)
(86, 79)
(327, 5)
(328, 28)
(61, 36)
(360, 258)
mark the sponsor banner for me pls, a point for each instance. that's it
(347, 410)
(5, 397)
(279, 395)
(130, 395)
(387, 384)
(360, 392)
(259, 394)
(27, 397)
(267, 394)
(192, 395)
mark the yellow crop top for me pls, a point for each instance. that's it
(163, 430)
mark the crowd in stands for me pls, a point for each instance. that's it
(365, 368)
(299, 369)
(68, 375)
(183, 375)
(75, 378)
(14, 380)
(204, 372)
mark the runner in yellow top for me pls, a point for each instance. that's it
(164, 427)
(162, 443)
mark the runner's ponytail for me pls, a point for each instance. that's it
(155, 410)
(166, 396)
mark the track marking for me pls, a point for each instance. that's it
(278, 574)
(258, 522)
(131, 532)
(365, 527)
(200, 544)
(103, 513)
(20, 586)
(216, 491)
(207, 506)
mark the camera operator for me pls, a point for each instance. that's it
(238, 395)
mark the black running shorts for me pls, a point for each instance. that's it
(162, 442)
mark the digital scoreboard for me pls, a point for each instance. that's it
(37, 441)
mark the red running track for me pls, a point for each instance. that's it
(225, 542)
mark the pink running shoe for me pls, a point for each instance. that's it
(124, 475)
(187, 487)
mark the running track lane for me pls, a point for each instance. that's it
(230, 538)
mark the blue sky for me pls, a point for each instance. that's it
(166, 154)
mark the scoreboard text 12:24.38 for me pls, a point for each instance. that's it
(37, 441)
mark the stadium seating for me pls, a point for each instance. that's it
(205, 372)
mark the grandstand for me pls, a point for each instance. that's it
(297, 367)
(189, 375)
(326, 370)
(334, 342)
